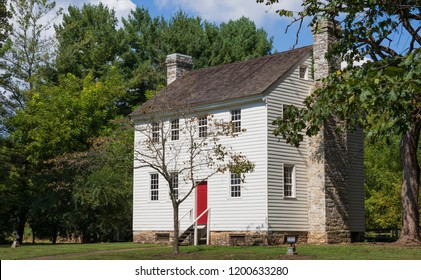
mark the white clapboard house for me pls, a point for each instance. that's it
(314, 192)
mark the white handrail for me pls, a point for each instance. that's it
(179, 220)
(207, 224)
(200, 216)
(190, 211)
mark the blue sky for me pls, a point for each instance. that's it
(216, 11)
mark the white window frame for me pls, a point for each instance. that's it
(155, 132)
(303, 72)
(289, 181)
(175, 130)
(203, 126)
(154, 187)
(235, 186)
(236, 120)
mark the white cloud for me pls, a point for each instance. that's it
(224, 10)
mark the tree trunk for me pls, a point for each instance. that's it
(21, 228)
(176, 246)
(54, 234)
(410, 233)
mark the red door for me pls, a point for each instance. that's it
(202, 202)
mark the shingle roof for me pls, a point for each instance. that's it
(231, 81)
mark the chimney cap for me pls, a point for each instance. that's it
(178, 56)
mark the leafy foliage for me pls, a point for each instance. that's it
(60, 119)
(383, 176)
(88, 41)
(5, 26)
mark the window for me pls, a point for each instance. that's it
(289, 180)
(235, 185)
(304, 72)
(203, 127)
(236, 120)
(175, 129)
(155, 132)
(154, 187)
(174, 184)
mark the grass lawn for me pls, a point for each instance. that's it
(130, 251)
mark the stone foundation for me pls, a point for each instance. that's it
(224, 238)
(152, 237)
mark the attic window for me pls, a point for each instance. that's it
(304, 72)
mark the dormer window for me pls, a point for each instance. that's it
(304, 72)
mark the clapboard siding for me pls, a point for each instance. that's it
(228, 214)
(287, 214)
(355, 181)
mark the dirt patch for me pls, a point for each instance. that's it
(72, 255)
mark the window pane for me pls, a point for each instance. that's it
(236, 120)
(203, 127)
(154, 187)
(174, 183)
(235, 185)
(175, 130)
(304, 72)
(155, 132)
(289, 181)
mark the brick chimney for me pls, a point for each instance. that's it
(177, 66)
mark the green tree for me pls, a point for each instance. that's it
(141, 63)
(5, 26)
(56, 121)
(239, 40)
(383, 177)
(103, 187)
(26, 51)
(23, 56)
(61, 119)
(383, 95)
(15, 189)
(88, 41)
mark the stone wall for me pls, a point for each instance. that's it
(336, 193)
(177, 66)
(327, 161)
